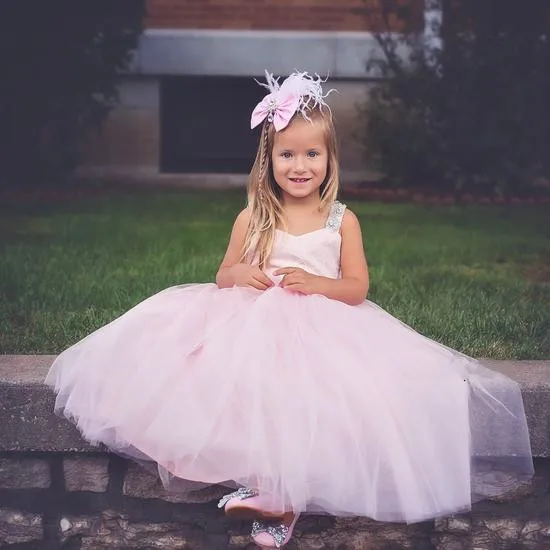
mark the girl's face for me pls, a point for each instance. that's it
(300, 159)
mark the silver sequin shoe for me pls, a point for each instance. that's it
(272, 535)
(244, 504)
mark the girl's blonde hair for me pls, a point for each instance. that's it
(264, 195)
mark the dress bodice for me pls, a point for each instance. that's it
(317, 252)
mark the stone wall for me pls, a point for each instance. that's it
(58, 492)
(98, 501)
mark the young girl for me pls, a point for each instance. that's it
(282, 380)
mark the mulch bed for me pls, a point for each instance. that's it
(421, 195)
(368, 192)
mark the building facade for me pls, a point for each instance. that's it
(185, 106)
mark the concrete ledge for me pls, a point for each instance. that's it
(26, 416)
(28, 423)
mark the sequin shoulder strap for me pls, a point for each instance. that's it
(336, 215)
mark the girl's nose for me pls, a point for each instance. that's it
(299, 165)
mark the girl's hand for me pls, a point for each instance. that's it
(250, 275)
(299, 280)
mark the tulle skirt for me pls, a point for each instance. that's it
(318, 405)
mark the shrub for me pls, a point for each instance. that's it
(62, 61)
(469, 112)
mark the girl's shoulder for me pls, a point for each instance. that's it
(243, 218)
(348, 220)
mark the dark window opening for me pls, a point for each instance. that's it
(205, 124)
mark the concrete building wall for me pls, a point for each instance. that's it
(241, 38)
(129, 141)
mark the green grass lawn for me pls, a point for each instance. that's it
(475, 278)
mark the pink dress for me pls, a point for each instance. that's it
(320, 406)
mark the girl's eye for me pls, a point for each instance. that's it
(312, 154)
(286, 155)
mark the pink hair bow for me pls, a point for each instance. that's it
(278, 107)
(298, 92)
